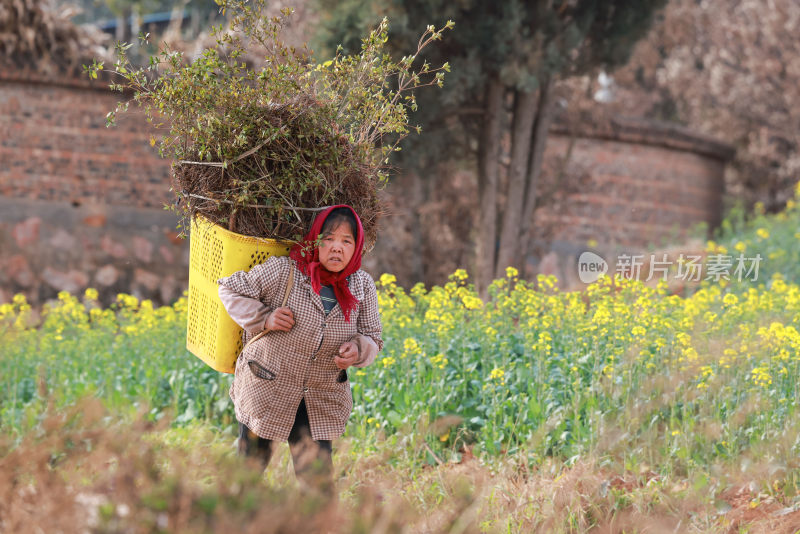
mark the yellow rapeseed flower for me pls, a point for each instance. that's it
(760, 376)
(762, 233)
(706, 372)
(779, 286)
(440, 361)
(410, 347)
(730, 300)
(498, 375)
(471, 302)
(127, 301)
(459, 274)
(387, 279)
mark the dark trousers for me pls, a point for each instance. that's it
(312, 459)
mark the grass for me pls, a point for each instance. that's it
(86, 468)
(537, 409)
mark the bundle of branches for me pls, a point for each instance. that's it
(261, 149)
(34, 35)
(266, 190)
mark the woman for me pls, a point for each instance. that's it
(292, 384)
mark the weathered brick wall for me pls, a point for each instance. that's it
(55, 145)
(82, 205)
(49, 247)
(641, 187)
(626, 186)
(647, 181)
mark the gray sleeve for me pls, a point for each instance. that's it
(247, 295)
(249, 313)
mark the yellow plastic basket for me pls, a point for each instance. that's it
(215, 252)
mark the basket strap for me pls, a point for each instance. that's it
(285, 300)
(289, 285)
(257, 336)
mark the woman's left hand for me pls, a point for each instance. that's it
(348, 355)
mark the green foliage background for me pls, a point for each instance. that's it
(623, 371)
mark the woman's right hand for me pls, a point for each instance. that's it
(280, 319)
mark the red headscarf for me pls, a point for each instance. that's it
(320, 276)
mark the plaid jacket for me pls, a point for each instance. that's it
(276, 371)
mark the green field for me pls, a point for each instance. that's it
(624, 400)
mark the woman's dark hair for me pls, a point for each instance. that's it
(338, 216)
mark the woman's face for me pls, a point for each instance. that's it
(337, 248)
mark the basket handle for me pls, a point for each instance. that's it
(285, 300)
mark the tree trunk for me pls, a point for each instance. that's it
(544, 117)
(175, 26)
(136, 26)
(195, 20)
(525, 106)
(119, 32)
(488, 172)
(419, 196)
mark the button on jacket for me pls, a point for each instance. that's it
(279, 369)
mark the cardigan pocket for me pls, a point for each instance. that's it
(260, 371)
(255, 387)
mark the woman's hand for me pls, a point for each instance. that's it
(280, 319)
(348, 355)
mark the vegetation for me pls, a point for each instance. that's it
(623, 379)
(261, 147)
(157, 479)
(502, 52)
(773, 237)
(694, 68)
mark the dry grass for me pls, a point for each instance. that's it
(35, 35)
(86, 471)
(275, 189)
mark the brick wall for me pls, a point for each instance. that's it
(55, 145)
(49, 247)
(634, 187)
(646, 182)
(625, 186)
(82, 205)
